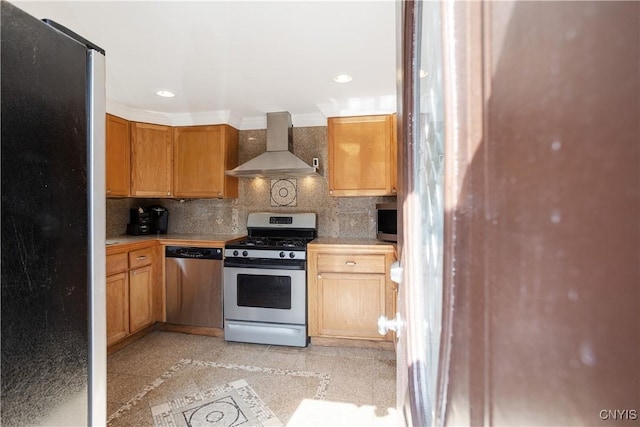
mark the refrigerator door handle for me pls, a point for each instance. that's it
(180, 290)
(97, 381)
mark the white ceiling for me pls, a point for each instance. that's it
(234, 61)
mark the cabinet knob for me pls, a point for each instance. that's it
(319, 276)
(350, 262)
(168, 193)
(141, 258)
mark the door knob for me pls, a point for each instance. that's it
(395, 272)
(385, 325)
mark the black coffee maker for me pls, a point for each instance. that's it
(139, 222)
(150, 220)
(159, 219)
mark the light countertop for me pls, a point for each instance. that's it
(347, 241)
(175, 239)
(221, 239)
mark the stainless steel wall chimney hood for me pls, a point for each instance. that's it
(278, 160)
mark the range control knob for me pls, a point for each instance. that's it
(281, 254)
(245, 253)
(235, 253)
(292, 255)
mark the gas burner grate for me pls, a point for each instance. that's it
(259, 243)
(255, 242)
(290, 243)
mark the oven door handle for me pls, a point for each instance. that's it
(298, 265)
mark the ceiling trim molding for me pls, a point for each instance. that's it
(298, 120)
(308, 120)
(202, 118)
(256, 122)
(363, 106)
(137, 115)
(223, 117)
(173, 119)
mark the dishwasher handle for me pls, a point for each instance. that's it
(193, 253)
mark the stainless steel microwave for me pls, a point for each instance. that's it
(387, 222)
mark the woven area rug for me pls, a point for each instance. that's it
(231, 405)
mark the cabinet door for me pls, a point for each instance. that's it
(394, 155)
(362, 156)
(349, 304)
(117, 157)
(201, 156)
(151, 160)
(140, 298)
(117, 307)
(198, 153)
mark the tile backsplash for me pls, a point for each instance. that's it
(337, 216)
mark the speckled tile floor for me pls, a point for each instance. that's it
(312, 386)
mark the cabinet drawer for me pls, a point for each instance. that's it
(140, 258)
(342, 263)
(116, 263)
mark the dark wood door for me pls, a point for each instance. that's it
(542, 228)
(421, 135)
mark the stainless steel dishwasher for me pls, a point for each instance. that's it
(194, 286)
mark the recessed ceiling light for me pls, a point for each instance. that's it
(342, 78)
(165, 93)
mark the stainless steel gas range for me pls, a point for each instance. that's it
(265, 280)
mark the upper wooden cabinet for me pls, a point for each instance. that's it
(201, 154)
(362, 155)
(117, 156)
(151, 160)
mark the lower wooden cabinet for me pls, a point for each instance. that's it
(349, 288)
(349, 304)
(140, 298)
(131, 291)
(117, 307)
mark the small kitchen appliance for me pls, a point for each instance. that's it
(139, 222)
(387, 222)
(159, 219)
(265, 280)
(150, 220)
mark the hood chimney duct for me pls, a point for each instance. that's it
(278, 160)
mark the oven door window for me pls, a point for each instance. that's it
(264, 291)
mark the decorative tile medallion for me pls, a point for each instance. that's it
(284, 192)
(231, 405)
(248, 400)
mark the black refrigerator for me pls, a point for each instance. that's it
(53, 318)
